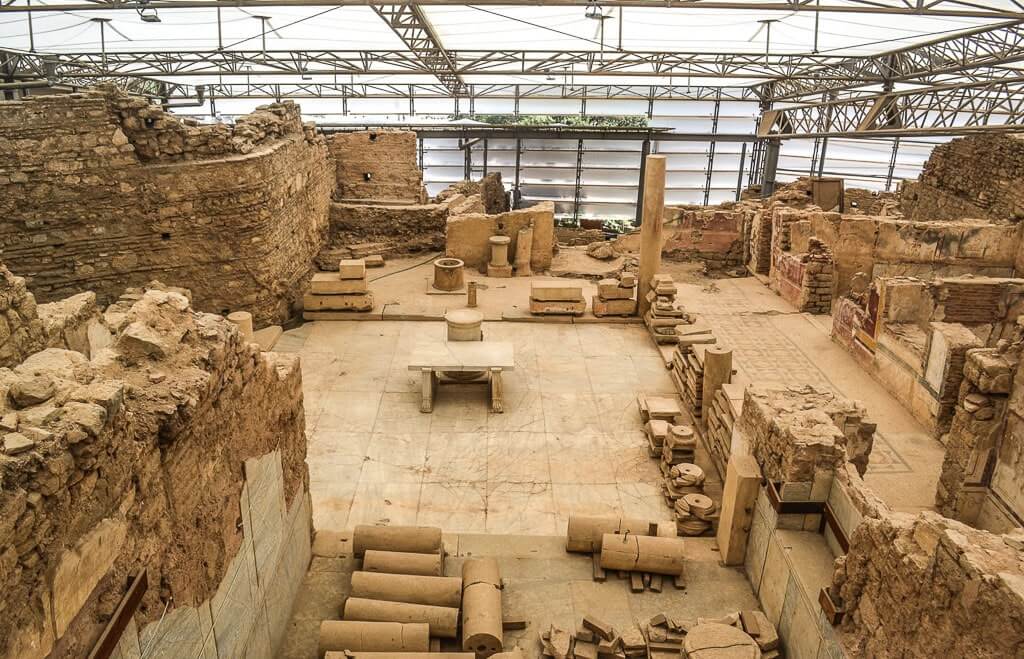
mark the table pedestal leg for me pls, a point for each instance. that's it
(497, 404)
(428, 384)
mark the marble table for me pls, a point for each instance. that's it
(488, 357)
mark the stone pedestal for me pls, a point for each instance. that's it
(242, 319)
(524, 252)
(499, 265)
(448, 274)
(464, 325)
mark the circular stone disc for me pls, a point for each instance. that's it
(699, 503)
(712, 640)
(499, 240)
(464, 317)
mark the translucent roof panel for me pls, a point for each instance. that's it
(682, 30)
(288, 28)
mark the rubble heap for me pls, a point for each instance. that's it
(663, 636)
(663, 316)
(800, 435)
(902, 570)
(132, 459)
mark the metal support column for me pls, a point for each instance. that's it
(645, 150)
(821, 156)
(892, 164)
(485, 156)
(467, 164)
(516, 194)
(771, 165)
(739, 178)
(579, 183)
(419, 145)
(711, 150)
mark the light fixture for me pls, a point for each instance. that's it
(147, 14)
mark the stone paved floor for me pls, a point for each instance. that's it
(569, 441)
(772, 342)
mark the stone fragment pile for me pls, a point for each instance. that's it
(615, 297)
(687, 367)
(344, 290)
(663, 316)
(744, 634)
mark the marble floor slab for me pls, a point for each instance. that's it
(568, 442)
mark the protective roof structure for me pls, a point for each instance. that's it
(793, 52)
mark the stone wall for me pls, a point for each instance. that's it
(714, 236)
(357, 230)
(804, 280)
(926, 586)
(886, 246)
(973, 440)
(99, 191)
(377, 165)
(142, 457)
(981, 176)
(799, 435)
(467, 235)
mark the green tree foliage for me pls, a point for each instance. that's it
(571, 120)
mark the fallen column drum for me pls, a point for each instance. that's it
(481, 607)
(443, 620)
(640, 553)
(403, 562)
(436, 591)
(415, 539)
(374, 636)
(585, 532)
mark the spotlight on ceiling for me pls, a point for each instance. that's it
(148, 14)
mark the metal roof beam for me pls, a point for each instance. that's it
(411, 25)
(977, 54)
(949, 109)
(953, 8)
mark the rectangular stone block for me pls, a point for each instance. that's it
(359, 302)
(625, 307)
(558, 307)
(610, 289)
(352, 269)
(328, 283)
(555, 291)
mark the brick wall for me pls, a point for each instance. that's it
(136, 461)
(99, 191)
(714, 236)
(376, 165)
(981, 176)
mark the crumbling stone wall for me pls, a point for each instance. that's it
(357, 230)
(99, 191)
(926, 586)
(888, 246)
(378, 165)
(134, 459)
(798, 433)
(980, 176)
(805, 279)
(972, 443)
(713, 235)
(467, 235)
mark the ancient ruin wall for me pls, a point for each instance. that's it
(925, 586)
(467, 235)
(378, 165)
(134, 459)
(886, 247)
(100, 191)
(357, 230)
(981, 176)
